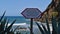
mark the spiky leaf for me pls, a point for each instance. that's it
(54, 25)
(2, 16)
(42, 31)
(11, 25)
(47, 23)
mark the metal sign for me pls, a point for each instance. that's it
(31, 13)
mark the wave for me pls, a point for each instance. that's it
(18, 24)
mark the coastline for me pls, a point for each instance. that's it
(27, 26)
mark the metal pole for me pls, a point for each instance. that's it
(31, 24)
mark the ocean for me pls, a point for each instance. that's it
(21, 19)
(25, 22)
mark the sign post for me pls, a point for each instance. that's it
(31, 13)
(31, 29)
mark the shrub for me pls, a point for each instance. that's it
(4, 28)
(55, 26)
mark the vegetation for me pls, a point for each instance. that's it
(55, 27)
(55, 23)
(4, 28)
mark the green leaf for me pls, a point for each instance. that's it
(11, 25)
(54, 25)
(2, 16)
(6, 24)
(42, 31)
(47, 25)
(16, 28)
(2, 25)
(58, 25)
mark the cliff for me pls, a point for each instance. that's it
(52, 9)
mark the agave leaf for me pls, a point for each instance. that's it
(11, 25)
(47, 25)
(7, 30)
(2, 26)
(6, 25)
(42, 31)
(16, 28)
(54, 25)
(2, 16)
(3, 23)
(58, 25)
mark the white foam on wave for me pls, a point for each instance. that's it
(18, 24)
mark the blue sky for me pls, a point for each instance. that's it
(15, 7)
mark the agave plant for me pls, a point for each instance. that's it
(4, 28)
(55, 26)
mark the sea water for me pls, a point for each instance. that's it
(21, 19)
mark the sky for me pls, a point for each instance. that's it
(15, 7)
